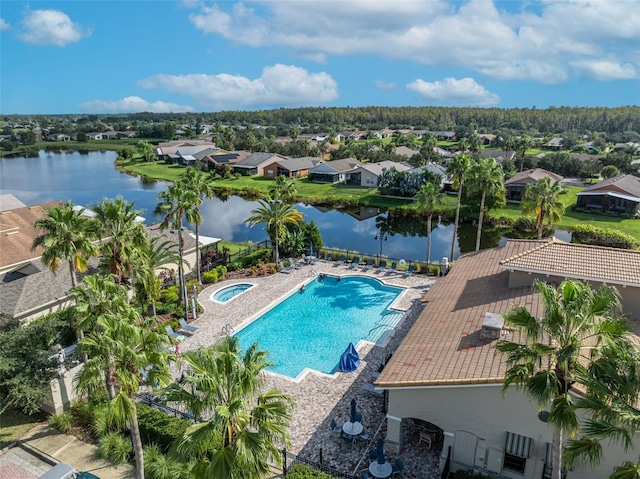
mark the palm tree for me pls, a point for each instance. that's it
(522, 144)
(612, 384)
(156, 255)
(201, 186)
(475, 143)
(458, 169)
(120, 347)
(282, 188)
(174, 202)
(429, 142)
(97, 296)
(274, 214)
(426, 200)
(67, 235)
(121, 234)
(556, 347)
(247, 427)
(543, 199)
(463, 144)
(484, 175)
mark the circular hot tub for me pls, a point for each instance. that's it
(226, 294)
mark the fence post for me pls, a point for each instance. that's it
(284, 462)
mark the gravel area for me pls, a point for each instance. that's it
(320, 397)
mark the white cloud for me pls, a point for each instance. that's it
(384, 85)
(50, 27)
(537, 43)
(279, 85)
(463, 92)
(4, 25)
(606, 70)
(133, 104)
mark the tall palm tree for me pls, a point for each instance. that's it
(274, 214)
(484, 175)
(119, 348)
(522, 144)
(458, 169)
(475, 143)
(426, 200)
(66, 236)
(247, 427)
(543, 199)
(121, 233)
(174, 202)
(98, 295)
(429, 142)
(557, 347)
(201, 186)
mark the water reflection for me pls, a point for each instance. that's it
(88, 178)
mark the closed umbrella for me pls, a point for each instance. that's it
(352, 417)
(380, 451)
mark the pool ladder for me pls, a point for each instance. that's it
(227, 329)
(313, 272)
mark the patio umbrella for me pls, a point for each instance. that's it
(352, 417)
(310, 249)
(349, 360)
(380, 451)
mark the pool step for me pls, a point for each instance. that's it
(382, 329)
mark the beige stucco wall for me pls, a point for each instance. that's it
(62, 391)
(485, 412)
(44, 309)
(630, 296)
(364, 175)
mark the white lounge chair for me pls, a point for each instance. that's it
(187, 327)
(173, 334)
(285, 269)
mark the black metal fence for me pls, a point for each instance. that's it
(157, 403)
(289, 460)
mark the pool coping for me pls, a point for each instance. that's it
(252, 285)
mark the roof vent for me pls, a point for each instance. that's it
(491, 326)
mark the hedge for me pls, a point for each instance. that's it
(595, 235)
(300, 471)
(158, 427)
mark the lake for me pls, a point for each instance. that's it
(87, 178)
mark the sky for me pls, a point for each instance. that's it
(121, 56)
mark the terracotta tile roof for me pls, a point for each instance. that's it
(584, 262)
(17, 233)
(444, 345)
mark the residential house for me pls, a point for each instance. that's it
(191, 155)
(336, 171)
(367, 173)
(617, 195)
(254, 163)
(434, 168)
(498, 155)
(487, 138)
(111, 135)
(168, 150)
(446, 370)
(95, 135)
(405, 151)
(446, 135)
(517, 184)
(292, 167)
(223, 157)
(58, 137)
(554, 144)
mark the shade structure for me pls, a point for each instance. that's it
(349, 360)
(352, 416)
(380, 451)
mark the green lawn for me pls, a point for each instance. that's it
(14, 424)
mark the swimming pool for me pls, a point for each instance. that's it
(226, 294)
(312, 327)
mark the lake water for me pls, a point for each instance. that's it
(86, 179)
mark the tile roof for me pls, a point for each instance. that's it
(532, 175)
(444, 346)
(628, 183)
(17, 233)
(585, 262)
(257, 159)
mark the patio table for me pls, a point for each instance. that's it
(380, 470)
(352, 428)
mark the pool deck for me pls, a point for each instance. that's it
(320, 397)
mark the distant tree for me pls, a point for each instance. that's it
(82, 137)
(426, 200)
(28, 137)
(458, 169)
(145, 150)
(543, 198)
(609, 171)
(486, 178)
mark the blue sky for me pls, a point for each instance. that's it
(129, 56)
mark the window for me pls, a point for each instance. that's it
(514, 463)
(269, 172)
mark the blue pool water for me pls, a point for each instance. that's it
(229, 292)
(312, 327)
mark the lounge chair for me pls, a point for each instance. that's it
(409, 271)
(355, 261)
(382, 266)
(368, 265)
(341, 260)
(308, 259)
(187, 327)
(397, 467)
(335, 428)
(392, 268)
(327, 257)
(295, 264)
(173, 334)
(364, 474)
(285, 269)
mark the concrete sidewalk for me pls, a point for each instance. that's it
(82, 456)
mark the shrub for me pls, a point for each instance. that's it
(157, 427)
(222, 272)
(83, 414)
(525, 224)
(594, 235)
(300, 471)
(62, 422)
(170, 294)
(115, 447)
(210, 276)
